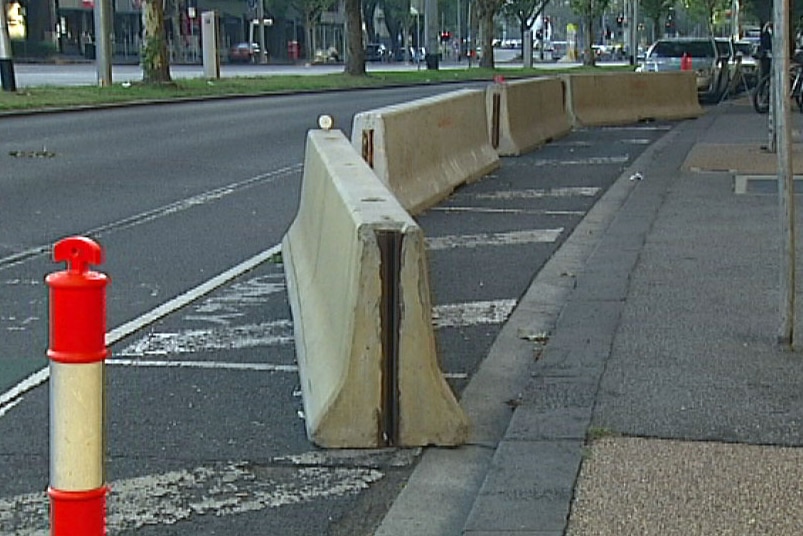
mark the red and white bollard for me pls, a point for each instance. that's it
(77, 355)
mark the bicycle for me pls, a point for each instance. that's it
(761, 94)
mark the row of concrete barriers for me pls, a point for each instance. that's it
(355, 260)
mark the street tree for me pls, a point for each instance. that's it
(705, 11)
(526, 13)
(486, 10)
(312, 10)
(368, 11)
(398, 21)
(589, 11)
(656, 10)
(155, 59)
(355, 54)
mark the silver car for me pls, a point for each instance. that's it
(710, 66)
(749, 66)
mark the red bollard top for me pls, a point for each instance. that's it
(77, 303)
(685, 62)
(79, 252)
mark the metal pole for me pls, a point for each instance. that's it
(6, 64)
(468, 35)
(263, 52)
(459, 33)
(103, 42)
(635, 32)
(783, 131)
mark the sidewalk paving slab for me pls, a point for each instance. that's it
(660, 403)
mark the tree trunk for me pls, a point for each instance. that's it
(312, 46)
(155, 60)
(588, 58)
(355, 54)
(487, 31)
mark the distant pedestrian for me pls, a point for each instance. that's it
(765, 50)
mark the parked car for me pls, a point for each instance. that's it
(749, 51)
(558, 49)
(375, 52)
(244, 53)
(710, 65)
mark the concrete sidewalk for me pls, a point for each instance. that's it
(638, 387)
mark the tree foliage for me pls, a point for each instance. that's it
(656, 11)
(525, 12)
(704, 11)
(312, 11)
(589, 11)
(398, 20)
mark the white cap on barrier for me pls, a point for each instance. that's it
(326, 122)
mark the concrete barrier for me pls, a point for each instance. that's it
(423, 150)
(524, 114)
(621, 98)
(358, 287)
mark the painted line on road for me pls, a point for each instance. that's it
(493, 239)
(221, 365)
(208, 365)
(591, 161)
(509, 211)
(278, 332)
(540, 193)
(151, 215)
(115, 335)
(646, 128)
(472, 313)
(216, 491)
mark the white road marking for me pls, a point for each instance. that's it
(191, 295)
(216, 365)
(494, 239)
(220, 365)
(506, 211)
(168, 498)
(649, 128)
(8, 407)
(42, 375)
(539, 193)
(229, 304)
(473, 314)
(279, 332)
(590, 161)
(220, 338)
(172, 208)
(10, 397)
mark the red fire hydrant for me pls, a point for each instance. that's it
(685, 62)
(77, 355)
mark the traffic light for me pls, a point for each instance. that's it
(445, 37)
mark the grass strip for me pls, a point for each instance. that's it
(48, 97)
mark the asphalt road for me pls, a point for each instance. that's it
(205, 431)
